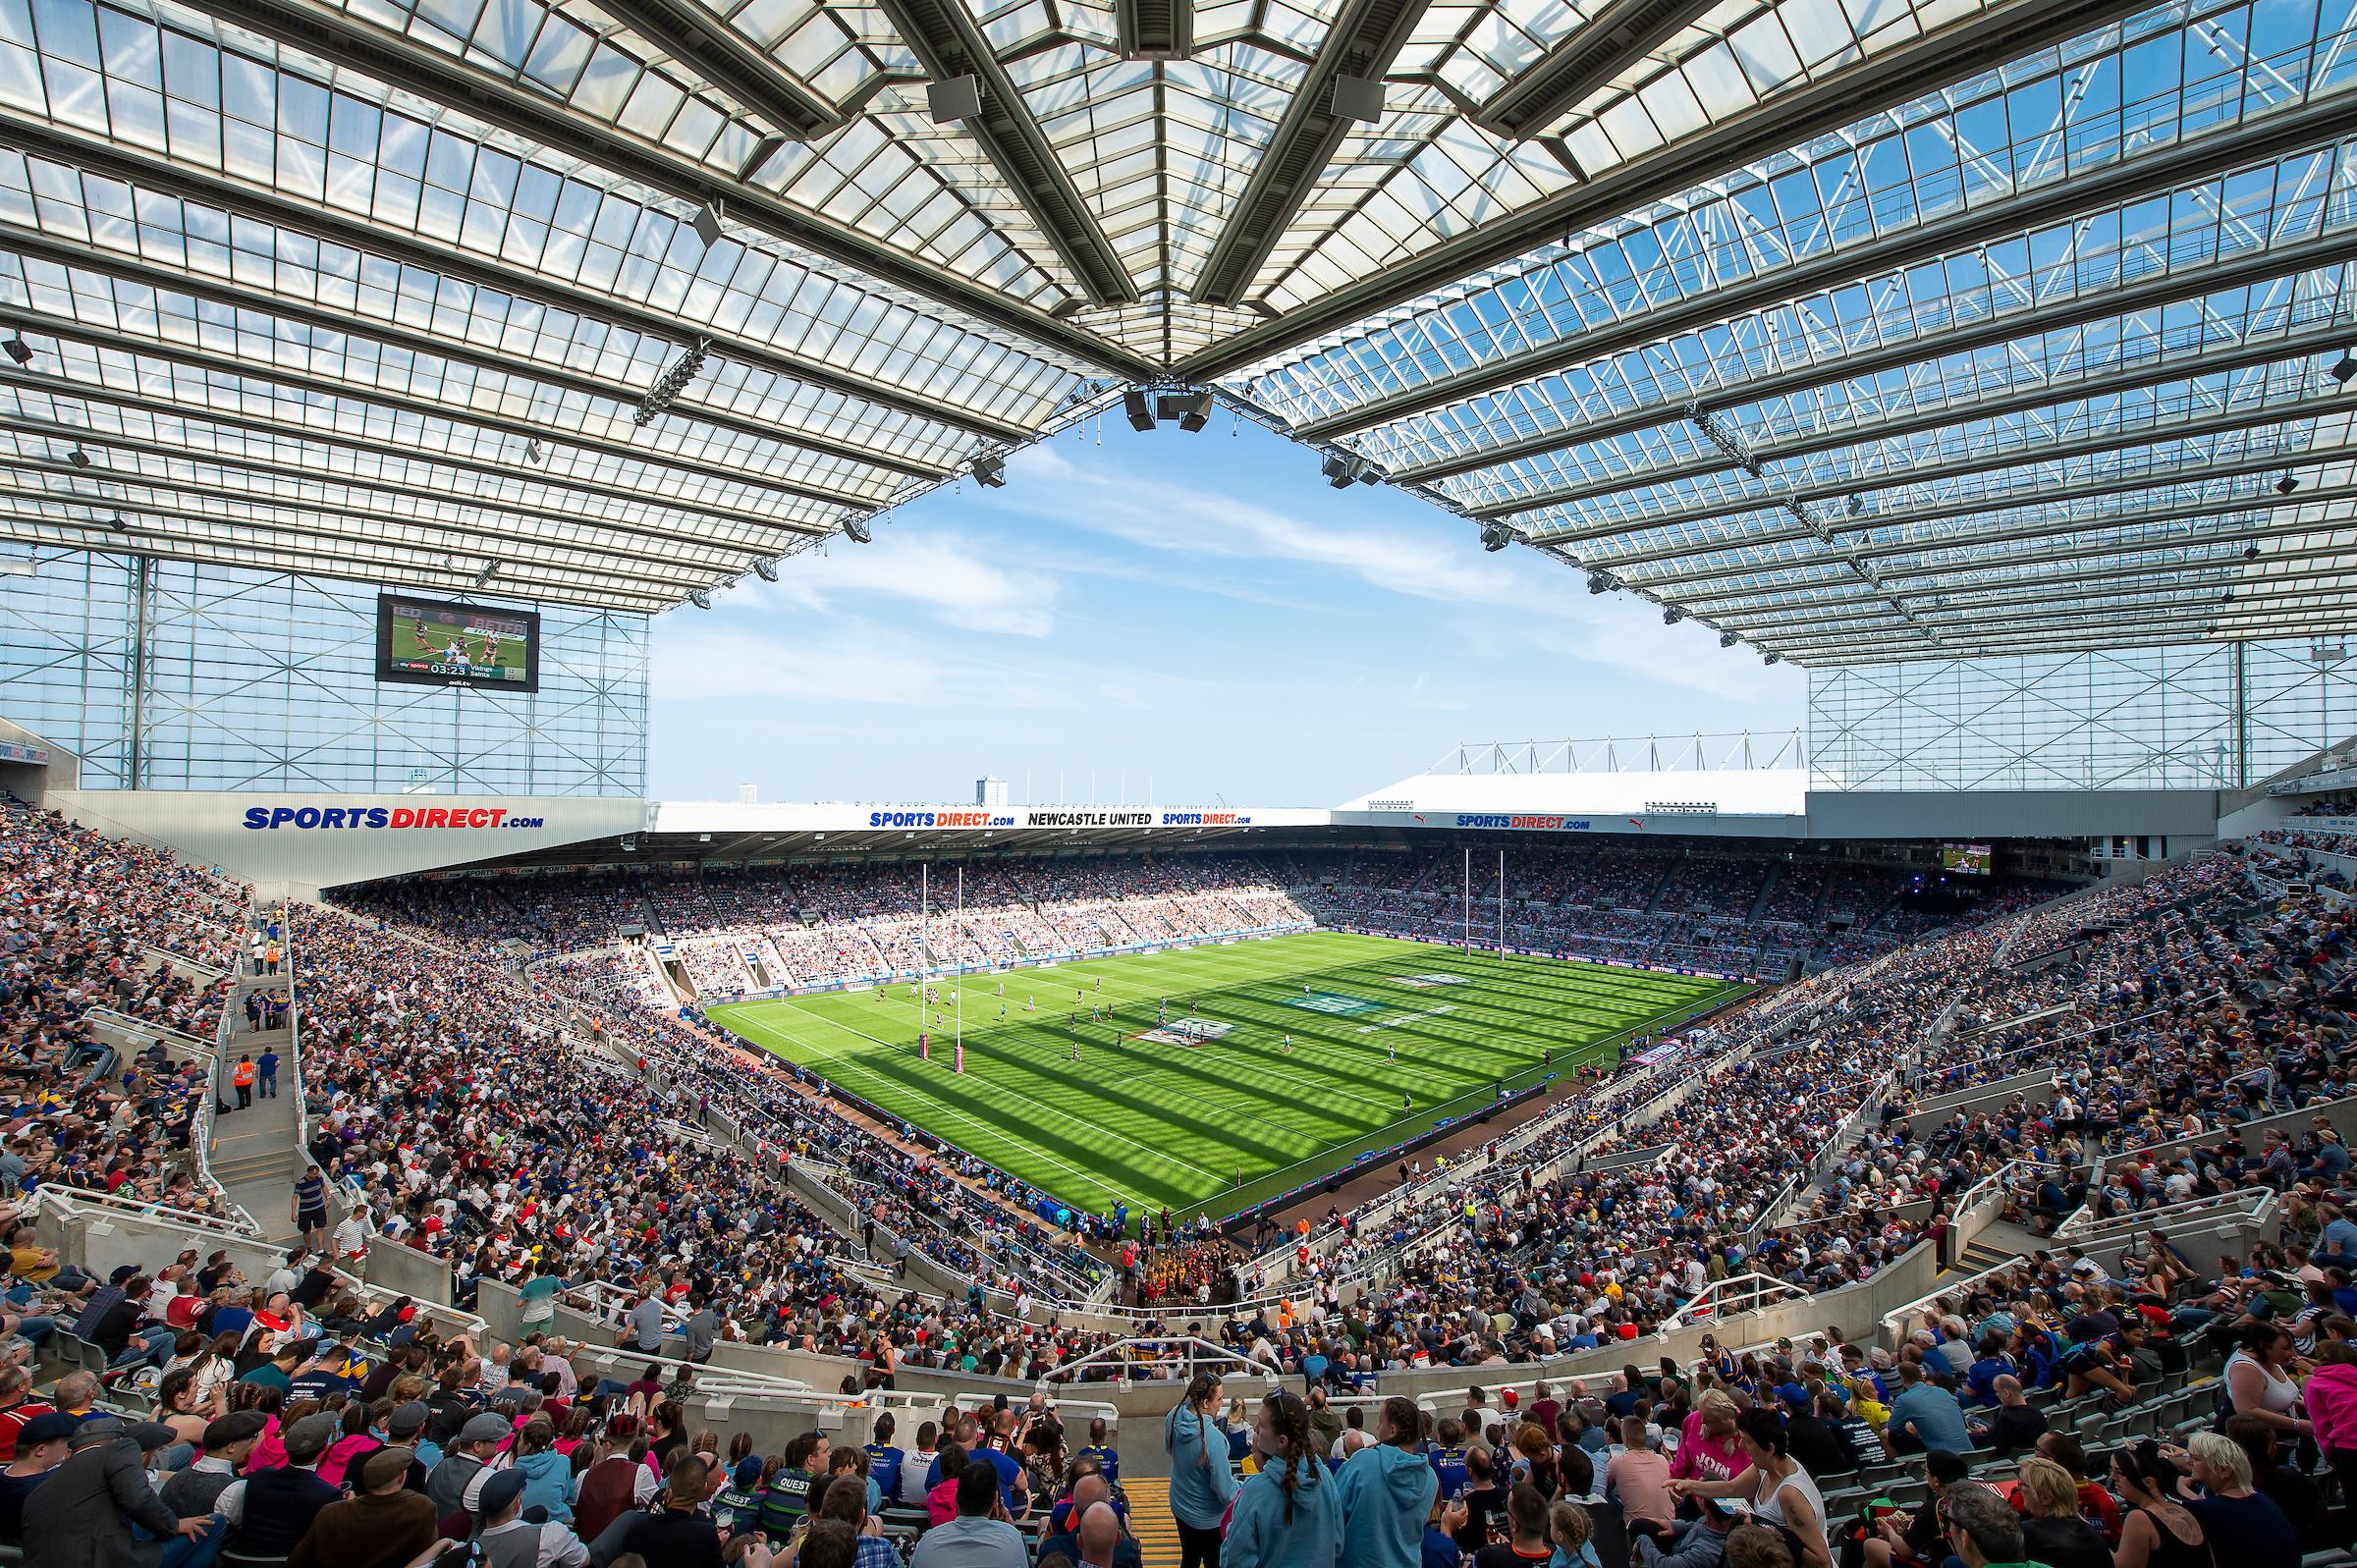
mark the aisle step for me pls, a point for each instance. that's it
(1151, 1523)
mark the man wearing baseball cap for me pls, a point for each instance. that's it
(382, 1525)
(84, 1513)
(42, 1444)
(510, 1540)
(270, 1510)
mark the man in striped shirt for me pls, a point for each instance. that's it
(310, 1206)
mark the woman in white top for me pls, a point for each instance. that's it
(1778, 1490)
(2263, 1380)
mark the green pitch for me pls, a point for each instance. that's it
(1161, 1121)
(410, 641)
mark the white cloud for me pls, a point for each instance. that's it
(945, 576)
(722, 664)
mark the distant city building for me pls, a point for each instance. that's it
(748, 794)
(991, 791)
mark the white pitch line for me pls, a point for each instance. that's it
(1000, 1133)
(1064, 1115)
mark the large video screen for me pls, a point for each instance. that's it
(429, 642)
(1972, 859)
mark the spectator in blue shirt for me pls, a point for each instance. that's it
(1924, 1416)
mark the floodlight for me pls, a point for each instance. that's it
(1601, 582)
(1191, 407)
(531, 452)
(1343, 469)
(707, 224)
(484, 576)
(858, 528)
(79, 458)
(18, 348)
(672, 382)
(1671, 615)
(2286, 485)
(2344, 369)
(698, 598)
(1496, 536)
(1854, 506)
(991, 473)
(1727, 639)
(1771, 657)
(1140, 413)
(766, 571)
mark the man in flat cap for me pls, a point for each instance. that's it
(270, 1510)
(82, 1516)
(382, 1525)
(227, 1441)
(510, 1540)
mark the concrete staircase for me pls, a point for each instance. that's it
(1150, 1520)
(257, 1151)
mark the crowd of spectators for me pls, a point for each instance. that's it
(90, 924)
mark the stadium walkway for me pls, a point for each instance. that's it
(257, 1151)
(1150, 1521)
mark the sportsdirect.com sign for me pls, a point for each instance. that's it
(385, 817)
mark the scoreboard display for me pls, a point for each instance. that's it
(431, 642)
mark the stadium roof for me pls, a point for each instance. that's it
(1857, 329)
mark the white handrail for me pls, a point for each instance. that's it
(71, 1198)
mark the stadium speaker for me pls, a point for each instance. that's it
(2250, 552)
(2286, 485)
(766, 569)
(956, 98)
(1771, 657)
(698, 598)
(1140, 413)
(1496, 536)
(2344, 368)
(18, 348)
(858, 528)
(991, 473)
(1191, 409)
(1727, 639)
(1671, 615)
(1341, 469)
(1357, 98)
(706, 223)
(79, 458)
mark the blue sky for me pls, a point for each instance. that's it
(1201, 612)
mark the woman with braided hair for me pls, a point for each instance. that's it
(1287, 1515)
(1202, 1476)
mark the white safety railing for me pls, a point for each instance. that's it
(72, 1200)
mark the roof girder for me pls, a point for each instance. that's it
(946, 40)
(456, 350)
(98, 338)
(1867, 522)
(275, 429)
(734, 559)
(152, 172)
(2003, 31)
(480, 96)
(2064, 614)
(2318, 126)
(2224, 422)
(1616, 34)
(2042, 528)
(1364, 41)
(2191, 577)
(2303, 345)
(387, 564)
